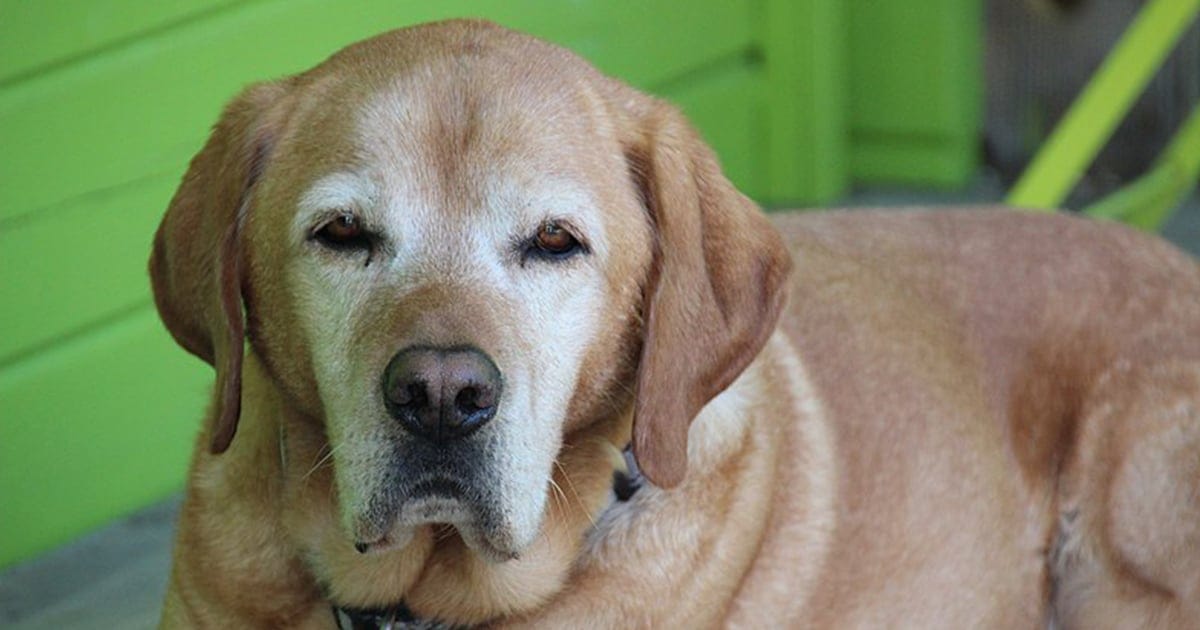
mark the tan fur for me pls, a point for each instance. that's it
(925, 419)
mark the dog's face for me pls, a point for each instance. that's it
(448, 257)
(456, 246)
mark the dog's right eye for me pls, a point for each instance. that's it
(344, 232)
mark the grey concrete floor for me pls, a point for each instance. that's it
(1183, 228)
(116, 576)
(112, 578)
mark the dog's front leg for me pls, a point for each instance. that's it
(231, 567)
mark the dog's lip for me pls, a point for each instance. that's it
(441, 486)
(373, 546)
(443, 500)
(386, 542)
(373, 542)
(449, 505)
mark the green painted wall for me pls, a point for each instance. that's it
(915, 91)
(102, 103)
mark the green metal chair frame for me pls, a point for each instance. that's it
(1148, 201)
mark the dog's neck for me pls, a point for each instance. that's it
(704, 535)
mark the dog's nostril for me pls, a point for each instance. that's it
(467, 399)
(471, 399)
(415, 395)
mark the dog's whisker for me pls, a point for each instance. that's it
(321, 462)
(442, 533)
(557, 496)
(321, 452)
(578, 499)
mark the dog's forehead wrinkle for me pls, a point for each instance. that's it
(438, 132)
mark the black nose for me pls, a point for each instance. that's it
(441, 394)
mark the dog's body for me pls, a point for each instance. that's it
(964, 419)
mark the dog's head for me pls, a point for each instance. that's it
(452, 246)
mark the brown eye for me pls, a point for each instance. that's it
(344, 232)
(344, 228)
(553, 241)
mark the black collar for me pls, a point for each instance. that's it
(398, 617)
(627, 482)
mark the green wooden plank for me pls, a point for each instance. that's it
(805, 134)
(93, 430)
(934, 161)
(133, 111)
(43, 33)
(81, 264)
(911, 67)
(914, 81)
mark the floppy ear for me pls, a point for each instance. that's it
(195, 268)
(714, 294)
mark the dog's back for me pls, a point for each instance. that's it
(1077, 340)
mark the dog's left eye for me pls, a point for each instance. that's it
(554, 242)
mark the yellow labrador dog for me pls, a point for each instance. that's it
(446, 276)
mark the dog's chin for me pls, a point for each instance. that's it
(482, 530)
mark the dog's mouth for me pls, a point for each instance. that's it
(439, 487)
(492, 501)
(451, 506)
